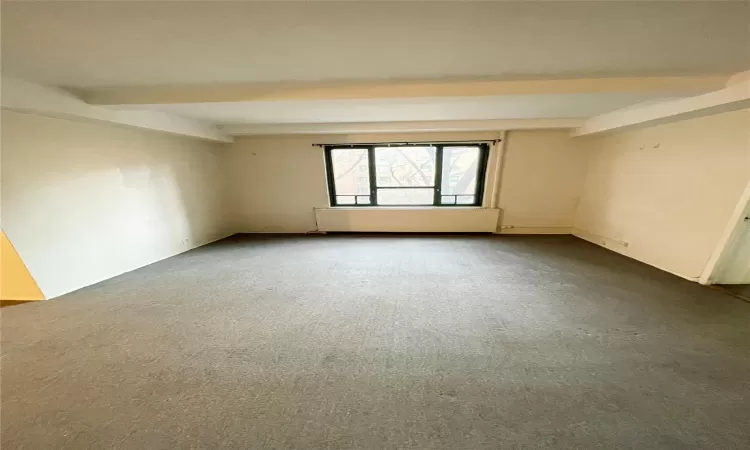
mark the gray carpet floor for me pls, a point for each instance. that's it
(742, 290)
(381, 342)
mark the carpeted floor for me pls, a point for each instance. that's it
(742, 290)
(381, 342)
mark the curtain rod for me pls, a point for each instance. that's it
(389, 144)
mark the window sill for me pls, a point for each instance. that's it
(402, 208)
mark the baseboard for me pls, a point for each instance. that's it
(14, 298)
(512, 229)
(5, 303)
(602, 241)
(278, 232)
(620, 246)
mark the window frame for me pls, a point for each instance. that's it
(484, 150)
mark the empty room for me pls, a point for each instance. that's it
(375, 225)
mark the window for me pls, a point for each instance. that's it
(406, 174)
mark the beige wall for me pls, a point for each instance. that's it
(83, 202)
(665, 194)
(277, 181)
(274, 184)
(543, 174)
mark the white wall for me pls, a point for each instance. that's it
(83, 202)
(736, 270)
(665, 194)
(730, 262)
(277, 181)
(543, 173)
(400, 220)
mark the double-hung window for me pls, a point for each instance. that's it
(406, 174)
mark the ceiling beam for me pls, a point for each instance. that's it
(31, 98)
(150, 95)
(733, 97)
(400, 127)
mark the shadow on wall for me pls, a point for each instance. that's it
(83, 202)
(734, 267)
(596, 210)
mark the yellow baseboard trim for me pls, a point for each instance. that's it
(20, 299)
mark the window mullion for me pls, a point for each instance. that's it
(371, 165)
(438, 175)
(329, 175)
(484, 153)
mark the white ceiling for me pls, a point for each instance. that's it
(198, 46)
(86, 44)
(414, 109)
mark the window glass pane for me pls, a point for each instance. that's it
(405, 166)
(363, 199)
(448, 199)
(465, 200)
(350, 171)
(405, 196)
(459, 175)
(345, 199)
